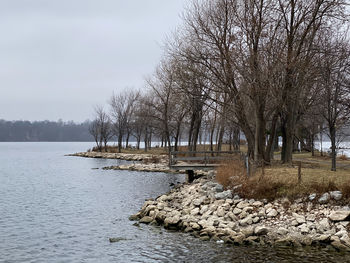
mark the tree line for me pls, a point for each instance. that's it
(264, 68)
(26, 131)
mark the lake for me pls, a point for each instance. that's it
(55, 208)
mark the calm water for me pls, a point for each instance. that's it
(55, 208)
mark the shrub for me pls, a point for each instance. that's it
(228, 171)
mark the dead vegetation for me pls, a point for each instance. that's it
(279, 181)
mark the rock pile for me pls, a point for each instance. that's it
(121, 156)
(208, 212)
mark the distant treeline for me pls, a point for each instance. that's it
(26, 131)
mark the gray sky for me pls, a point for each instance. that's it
(59, 58)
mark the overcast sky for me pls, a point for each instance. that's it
(59, 58)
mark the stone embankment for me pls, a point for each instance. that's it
(141, 162)
(208, 212)
(120, 156)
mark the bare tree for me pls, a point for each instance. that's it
(101, 128)
(122, 109)
(335, 88)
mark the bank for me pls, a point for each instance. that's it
(208, 211)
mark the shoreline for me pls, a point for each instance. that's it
(205, 210)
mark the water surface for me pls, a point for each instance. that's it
(55, 208)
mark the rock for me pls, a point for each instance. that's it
(220, 212)
(312, 197)
(242, 205)
(195, 226)
(237, 211)
(304, 229)
(204, 238)
(324, 198)
(195, 211)
(224, 195)
(272, 213)
(116, 239)
(204, 209)
(261, 230)
(282, 231)
(219, 188)
(246, 221)
(323, 224)
(146, 220)
(341, 215)
(311, 217)
(341, 233)
(257, 204)
(172, 220)
(197, 202)
(248, 209)
(336, 195)
(299, 218)
(134, 217)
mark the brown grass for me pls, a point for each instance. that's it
(343, 157)
(279, 181)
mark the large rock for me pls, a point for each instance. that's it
(146, 220)
(324, 198)
(224, 195)
(172, 220)
(242, 204)
(299, 218)
(237, 211)
(312, 197)
(272, 213)
(261, 230)
(199, 201)
(342, 215)
(336, 195)
(220, 212)
(219, 188)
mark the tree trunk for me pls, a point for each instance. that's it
(120, 141)
(332, 132)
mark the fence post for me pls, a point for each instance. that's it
(247, 165)
(299, 172)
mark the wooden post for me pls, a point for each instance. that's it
(299, 172)
(190, 176)
(247, 165)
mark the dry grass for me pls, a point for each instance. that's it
(280, 181)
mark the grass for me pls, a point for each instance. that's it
(279, 181)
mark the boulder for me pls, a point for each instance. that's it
(198, 202)
(224, 195)
(237, 211)
(272, 213)
(341, 215)
(336, 195)
(312, 197)
(242, 204)
(324, 198)
(219, 188)
(299, 218)
(172, 220)
(261, 230)
(146, 220)
(195, 211)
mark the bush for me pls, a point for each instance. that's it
(230, 170)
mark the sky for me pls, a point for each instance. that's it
(60, 58)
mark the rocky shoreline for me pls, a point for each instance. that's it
(141, 162)
(208, 212)
(120, 156)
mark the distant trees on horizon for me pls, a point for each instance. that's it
(26, 131)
